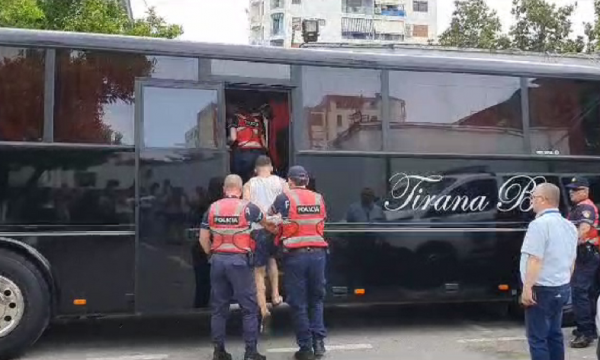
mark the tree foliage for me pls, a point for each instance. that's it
(539, 26)
(474, 25)
(86, 81)
(592, 30)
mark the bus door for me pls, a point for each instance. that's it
(182, 161)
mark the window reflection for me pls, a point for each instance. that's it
(249, 69)
(564, 117)
(175, 118)
(455, 113)
(66, 186)
(21, 94)
(94, 96)
(352, 94)
(351, 186)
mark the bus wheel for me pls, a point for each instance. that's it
(24, 304)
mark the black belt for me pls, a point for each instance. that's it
(306, 249)
(229, 253)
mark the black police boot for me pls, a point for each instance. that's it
(221, 354)
(582, 341)
(319, 347)
(253, 355)
(304, 354)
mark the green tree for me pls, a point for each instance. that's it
(21, 14)
(543, 27)
(105, 17)
(592, 30)
(474, 25)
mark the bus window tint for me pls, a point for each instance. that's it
(94, 92)
(564, 116)
(342, 109)
(66, 186)
(345, 182)
(21, 94)
(442, 113)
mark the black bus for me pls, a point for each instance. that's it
(112, 148)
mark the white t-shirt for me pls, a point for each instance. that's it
(263, 191)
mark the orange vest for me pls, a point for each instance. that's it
(593, 233)
(249, 131)
(229, 227)
(305, 224)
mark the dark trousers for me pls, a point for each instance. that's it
(244, 162)
(231, 276)
(304, 282)
(582, 283)
(543, 322)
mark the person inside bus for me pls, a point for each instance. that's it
(247, 137)
(585, 216)
(262, 190)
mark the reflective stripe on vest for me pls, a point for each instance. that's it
(249, 135)
(593, 238)
(297, 230)
(230, 238)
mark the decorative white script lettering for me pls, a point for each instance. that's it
(410, 192)
(516, 193)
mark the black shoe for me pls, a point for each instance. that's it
(575, 332)
(304, 354)
(319, 347)
(581, 342)
(254, 355)
(221, 354)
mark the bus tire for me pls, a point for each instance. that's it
(25, 304)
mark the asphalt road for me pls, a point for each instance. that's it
(421, 333)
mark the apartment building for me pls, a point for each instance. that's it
(279, 22)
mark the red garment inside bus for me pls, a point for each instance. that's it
(280, 121)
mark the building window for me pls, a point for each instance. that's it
(420, 6)
(564, 116)
(444, 113)
(277, 24)
(357, 6)
(420, 31)
(353, 95)
(322, 22)
(296, 2)
(389, 10)
(276, 4)
(21, 94)
(340, 123)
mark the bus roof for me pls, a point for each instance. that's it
(405, 58)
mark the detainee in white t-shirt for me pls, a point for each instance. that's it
(262, 190)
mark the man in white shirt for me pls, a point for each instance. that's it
(547, 260)
(262, 191)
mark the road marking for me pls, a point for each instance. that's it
(480, 340)
(133, 357)
(327, 347)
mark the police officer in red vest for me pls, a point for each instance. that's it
(247, 139)
(305, 252)
(585, 216)
(230, 253)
